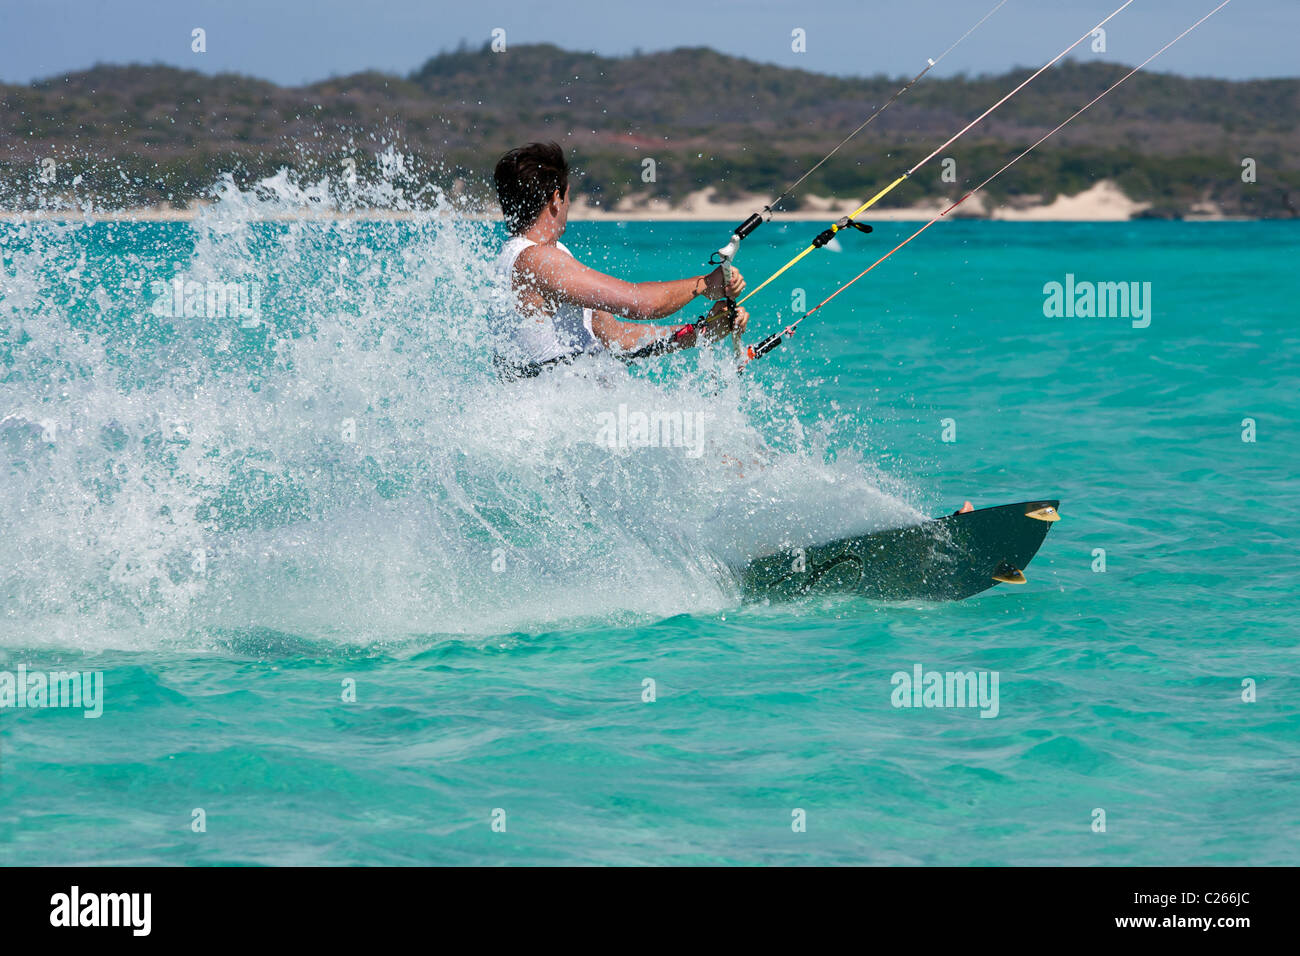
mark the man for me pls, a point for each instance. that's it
(554, 308)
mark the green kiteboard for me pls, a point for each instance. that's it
(947, 559)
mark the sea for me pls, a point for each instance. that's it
(337, 595)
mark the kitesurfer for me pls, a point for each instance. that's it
(552, 308)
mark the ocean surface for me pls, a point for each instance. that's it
(356, 602)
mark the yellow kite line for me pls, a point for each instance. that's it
(842, 223)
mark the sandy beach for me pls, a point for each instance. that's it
(1103, 202)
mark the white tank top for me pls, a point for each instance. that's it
(537, 337)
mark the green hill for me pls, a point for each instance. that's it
(141, 135)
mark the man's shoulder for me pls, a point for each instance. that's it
(543, 248)
(550, 254)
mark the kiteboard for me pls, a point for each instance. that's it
(947, 559)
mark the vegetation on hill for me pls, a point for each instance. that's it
(143, 135)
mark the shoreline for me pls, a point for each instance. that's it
(1102, 202)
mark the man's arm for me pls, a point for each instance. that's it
(556, 275)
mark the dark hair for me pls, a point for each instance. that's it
(526, 178)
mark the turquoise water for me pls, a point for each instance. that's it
(234, 522)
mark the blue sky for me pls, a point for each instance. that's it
(297, 41)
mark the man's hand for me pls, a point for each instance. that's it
(716, 286)
(718, 324)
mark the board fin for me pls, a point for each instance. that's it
(1008, 574)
